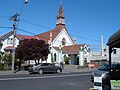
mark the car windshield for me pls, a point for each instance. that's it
(104, 67)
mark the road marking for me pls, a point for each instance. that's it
(59, 76)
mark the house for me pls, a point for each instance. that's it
(59, 40)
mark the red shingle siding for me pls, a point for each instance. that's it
(73, 49)
(9, 47)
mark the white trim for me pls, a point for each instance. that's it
(63, 30)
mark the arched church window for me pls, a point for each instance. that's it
(55, 57)
(63, 41)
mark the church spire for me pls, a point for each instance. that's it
(60, 16)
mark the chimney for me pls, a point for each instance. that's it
(74, 41)
(50, 36)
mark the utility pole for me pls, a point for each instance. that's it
(14, 19)
(15, 26)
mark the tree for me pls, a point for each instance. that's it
(7, 58)
(32, 49)
(1, 44)
(66, 59)
(1, 53)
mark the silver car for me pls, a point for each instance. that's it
(103, 72)
(45, 68)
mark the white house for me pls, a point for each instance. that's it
(59, 41)
(115, 55)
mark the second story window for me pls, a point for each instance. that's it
(10, 41)
(63, 41)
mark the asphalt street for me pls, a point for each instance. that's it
(74, 81)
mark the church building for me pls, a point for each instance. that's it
(59, 40)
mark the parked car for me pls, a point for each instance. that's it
(103, 73)
(56, 64)
(45, 67)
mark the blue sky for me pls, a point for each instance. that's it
(88, 20)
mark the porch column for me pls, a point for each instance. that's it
(60, 54)
(81, 56)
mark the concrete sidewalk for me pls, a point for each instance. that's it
(67, 69)
(73, 68)
(9, 72)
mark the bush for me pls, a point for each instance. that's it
(66, 59)
(1, 67)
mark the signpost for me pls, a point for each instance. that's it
(115, 84)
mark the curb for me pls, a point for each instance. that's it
(67, 69)
(15, 73)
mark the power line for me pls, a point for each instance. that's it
(86, 38)
(29, 22)
(25, 31)
(35, 24)
(19, 30)
(6, 17)
(6, 27)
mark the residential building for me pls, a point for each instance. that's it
(115, 55)
(98, 56)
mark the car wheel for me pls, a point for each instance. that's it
(40, 71)
(58, 71)
(30, 72)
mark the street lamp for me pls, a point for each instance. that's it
(26, 1)
(14, 18)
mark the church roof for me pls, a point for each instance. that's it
(55, 32)
(52, 34)
(72, 49)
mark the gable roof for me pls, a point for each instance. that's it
(19, 36)
(72, 49)
(55, 32)
(6, 35)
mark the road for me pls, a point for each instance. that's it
(74, 81)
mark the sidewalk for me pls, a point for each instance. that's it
(9, 72)
(73, 68)
(67, 69)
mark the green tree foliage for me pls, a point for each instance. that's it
(7, 58)
(32, 49)
(1, 45)
(0, 50)
(66, 59)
